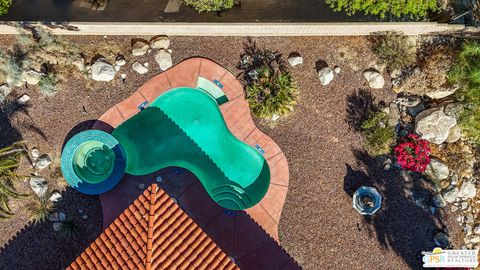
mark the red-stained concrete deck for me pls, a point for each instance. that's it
(237, 116)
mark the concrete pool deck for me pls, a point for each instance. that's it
(236, 114)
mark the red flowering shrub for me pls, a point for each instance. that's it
(413, 153)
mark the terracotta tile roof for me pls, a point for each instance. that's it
(153, 233)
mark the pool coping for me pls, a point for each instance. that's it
(236, 114)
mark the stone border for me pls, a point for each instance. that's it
(239, 29)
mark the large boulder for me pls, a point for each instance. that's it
(139, 68)
(43, 162)
(434, 125)
(39, 186)
(437, 170)
(102, 71)
(23, 99)
(451, 194)
(374, 78)
(160, 42)
(164, 59)
(139, 48)
(467, 190)
(295, 60)
(120, 61)
(442, 93)
(325, 75)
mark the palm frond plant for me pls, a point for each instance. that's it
(9, 161)
(272, 93)
(40, 209)
(69, 229)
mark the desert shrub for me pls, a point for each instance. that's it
(11, 68)
(459, 156)
(394, 49)
(434, 63)
(40, 209)
(9, 161)
(272, 93)
(4, 6)
(466, 73)
(36, 50)
(378, 135)
(69, 229)
(414, 9)
(48, 84)
(210, 5)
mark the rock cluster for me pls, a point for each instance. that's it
(163, 55)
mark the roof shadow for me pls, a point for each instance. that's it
(39, 247)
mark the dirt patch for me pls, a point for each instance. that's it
(318, 227)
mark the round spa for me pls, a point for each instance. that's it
(93, 162)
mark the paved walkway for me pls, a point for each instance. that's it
(237, 116)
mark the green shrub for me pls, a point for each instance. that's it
(415, 9)
(466, 73)
(394, 50)
(210, 5)
(9, 161)
(4, 6)
(378, 136)
(272, 93)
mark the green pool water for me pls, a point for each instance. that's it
(184, 127)
(93, 161)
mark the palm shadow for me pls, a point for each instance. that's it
(15, 118)
(405, 223)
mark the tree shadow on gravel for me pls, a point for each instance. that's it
(39, 247)
(14, 118)
(359, 107)
(403, 224)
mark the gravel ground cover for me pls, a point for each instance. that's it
(318, 227)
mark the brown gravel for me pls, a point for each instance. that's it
(319, 228)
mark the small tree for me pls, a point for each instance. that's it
(4, 6)
(210, 5)
(415, 9)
